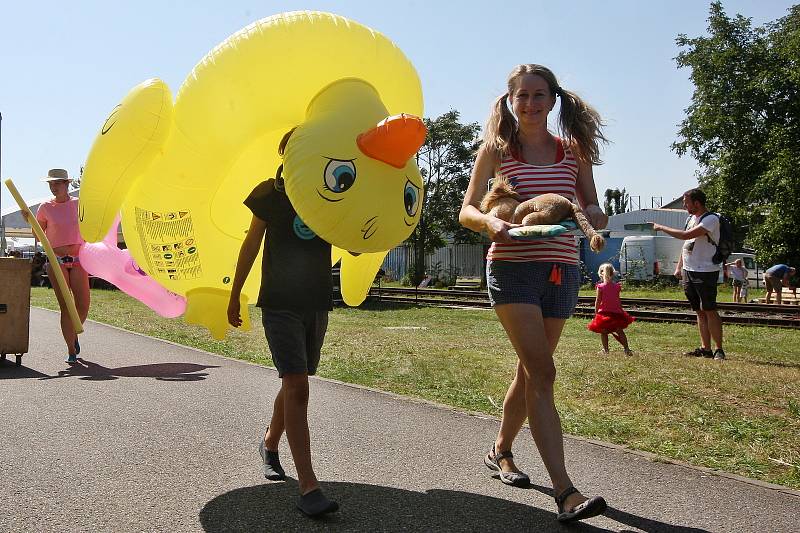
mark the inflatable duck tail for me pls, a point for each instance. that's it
(207, 307)
(130, 140)
(357, 273)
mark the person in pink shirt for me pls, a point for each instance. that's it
(610, 318)
(59, 220)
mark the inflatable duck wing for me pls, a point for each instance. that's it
(179, 173)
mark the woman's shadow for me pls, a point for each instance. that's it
(270, 507)
(87, 370)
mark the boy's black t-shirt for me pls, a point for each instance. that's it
(296, 266)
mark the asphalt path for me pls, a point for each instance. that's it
(146, 435)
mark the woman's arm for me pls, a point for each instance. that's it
(470, 215)
(247, 255)
(587, 197)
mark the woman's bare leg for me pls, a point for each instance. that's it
(525, 327)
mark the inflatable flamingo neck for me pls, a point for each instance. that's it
(111, 237)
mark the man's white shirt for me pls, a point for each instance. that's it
(697, 252)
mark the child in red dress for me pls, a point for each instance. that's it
(610, 318)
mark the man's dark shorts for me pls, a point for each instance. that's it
(295, 339)
(700, 289)
(773, 283)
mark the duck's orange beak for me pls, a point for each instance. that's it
(394, 140)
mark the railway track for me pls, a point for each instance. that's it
(644, 309)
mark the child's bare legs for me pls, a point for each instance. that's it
(737, 290)
(623, 340)
(290, 413)
(604, 341)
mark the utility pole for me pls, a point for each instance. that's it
(3, 243)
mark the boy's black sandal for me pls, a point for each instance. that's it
(591, 507)
(315, 504)
(515, 479)
(272, 463)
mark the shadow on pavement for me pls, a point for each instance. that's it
(8, 370)
(631, 520)
(270, 507)
(88, 370)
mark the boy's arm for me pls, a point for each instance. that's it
(247, 255)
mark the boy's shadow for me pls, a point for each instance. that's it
(88, 370)
(270, 507)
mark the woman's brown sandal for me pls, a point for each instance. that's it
(515, 479)
(592, 507)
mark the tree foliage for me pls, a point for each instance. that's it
(445, 161)
(616, 201)
(743, 126)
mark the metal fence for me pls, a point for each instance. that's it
(455, 259)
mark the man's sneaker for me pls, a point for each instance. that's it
(699, 352)
(719, 355)
(272, 465)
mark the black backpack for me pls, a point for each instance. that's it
(725, 244)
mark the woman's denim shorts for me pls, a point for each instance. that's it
(528, 282)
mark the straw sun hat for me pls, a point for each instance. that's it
(57, 174)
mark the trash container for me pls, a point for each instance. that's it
(15, 306)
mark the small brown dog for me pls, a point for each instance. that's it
(503, 202)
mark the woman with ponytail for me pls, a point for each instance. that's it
(533, 285)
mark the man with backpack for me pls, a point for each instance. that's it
(698, 268)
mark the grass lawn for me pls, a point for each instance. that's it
(741, 415)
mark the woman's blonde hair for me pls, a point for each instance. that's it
(606, 272)
(578, 122)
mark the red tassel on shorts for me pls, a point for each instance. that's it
(555, 275)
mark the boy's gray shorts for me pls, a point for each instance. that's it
(295, 339)
(527, 282)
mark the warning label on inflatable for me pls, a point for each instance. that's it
(169, 244)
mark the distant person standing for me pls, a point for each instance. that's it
(59, 220)
(738, 275)
(775, 279)
(698, 272)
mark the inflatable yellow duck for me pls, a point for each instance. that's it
(179, 172)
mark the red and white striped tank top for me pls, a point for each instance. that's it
(530, 181)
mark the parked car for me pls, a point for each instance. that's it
(649, 256)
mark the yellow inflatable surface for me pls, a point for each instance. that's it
(179, 172)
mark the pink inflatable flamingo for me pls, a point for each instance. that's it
(105, 260)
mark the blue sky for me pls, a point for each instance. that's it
(65, 65)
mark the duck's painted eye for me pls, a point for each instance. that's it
(411, 198)
(339, 175)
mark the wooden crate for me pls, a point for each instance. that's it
(15, 306)
(788, 297)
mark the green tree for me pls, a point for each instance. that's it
(743, 126)
(616, 201)
(445, 161)
(609, 197)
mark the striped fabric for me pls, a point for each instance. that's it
(530, 181)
